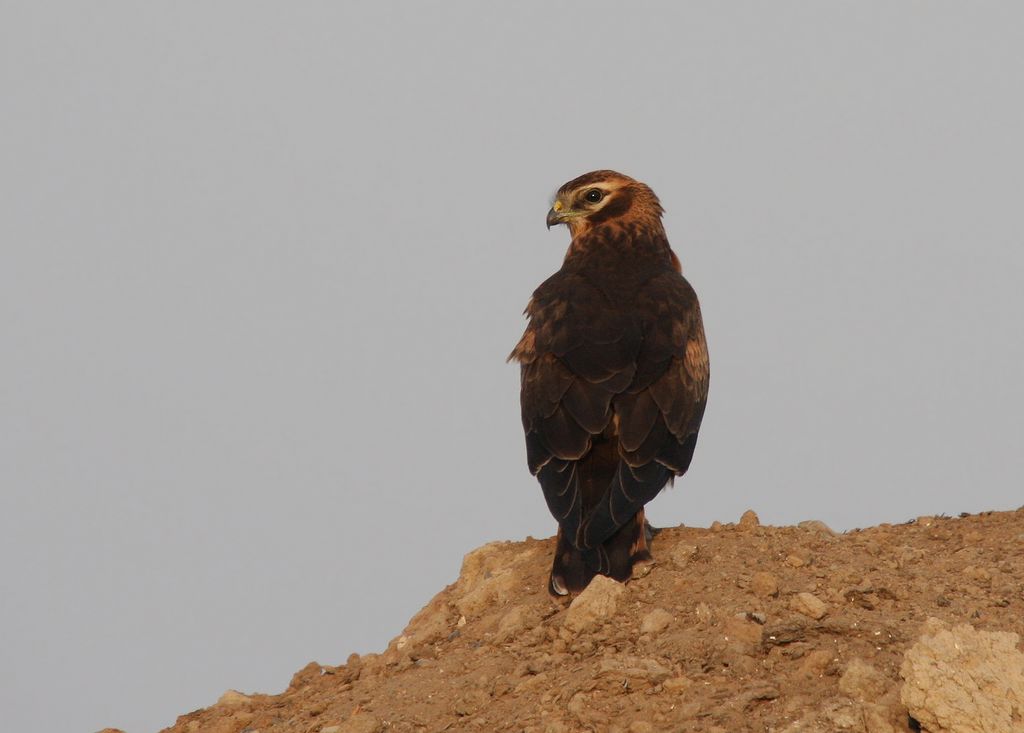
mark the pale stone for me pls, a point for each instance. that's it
(748, 521)
(818, 527)
(655, 621)
(361, 723)
(684, 554)
(961, 680)
(595, 604)
(232, 698)
(764, 585)
(677, 684)
(741, 628)
(491, 576)
(809, 605)
(517, 621)
(796, 560)
(815, 663)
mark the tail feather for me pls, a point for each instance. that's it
(573, 568)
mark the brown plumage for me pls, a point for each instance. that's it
(614, 376)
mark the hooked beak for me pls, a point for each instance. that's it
(557, 214)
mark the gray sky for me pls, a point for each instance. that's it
(262, 264)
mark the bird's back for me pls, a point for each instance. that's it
(614, 381)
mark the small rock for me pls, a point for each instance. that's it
(964, 680)
(331, 729)
(231, 698)
(361, 723)
(597, 602)
(743, 629)
(640, 726)
(809, 605)
(515, 622)
(764, 585)
(818, 527)
(677, 684)
(657, 620)
(815, 663)
(748, 521)
(796, 560)
(862, 682)
(490, 576)
(683, 554)
(578, 704)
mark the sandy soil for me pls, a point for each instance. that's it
(736, 627)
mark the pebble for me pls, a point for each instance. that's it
(676, 684)
(809, 605)
(748, 521)
(578, 704)
(815, 663)
(641, 726)
(683, 554)
(597, 602)
(361, 723)
(743, 629)
(657, 620)
(797, 559)
(764, 585)
(232, 698)
(817, 527)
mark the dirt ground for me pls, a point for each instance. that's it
(736, 627)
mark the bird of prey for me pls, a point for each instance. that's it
(614, 376)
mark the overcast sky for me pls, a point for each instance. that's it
(262, 264)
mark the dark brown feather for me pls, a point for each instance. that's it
(614, 378)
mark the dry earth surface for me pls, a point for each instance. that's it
(736, 627)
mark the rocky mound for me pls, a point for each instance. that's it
(737, 627)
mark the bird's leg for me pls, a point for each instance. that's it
(640, 553)
(569, 571)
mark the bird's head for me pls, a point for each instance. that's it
(603, 196)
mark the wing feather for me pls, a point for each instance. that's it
(596, 368)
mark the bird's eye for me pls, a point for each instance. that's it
(594, 195)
